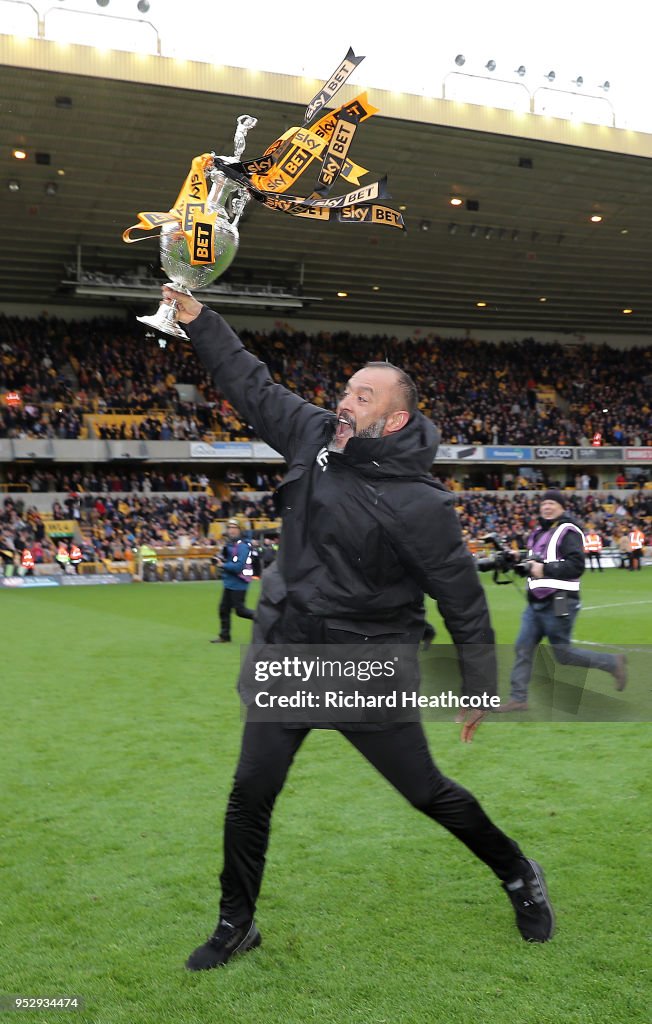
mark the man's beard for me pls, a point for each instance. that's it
(373, 430)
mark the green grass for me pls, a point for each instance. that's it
(120, 735)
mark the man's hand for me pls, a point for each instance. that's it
(471, 722)
(536, 570)
(188, 309)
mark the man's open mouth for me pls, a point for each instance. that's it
(345, 426)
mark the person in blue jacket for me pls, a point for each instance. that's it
(237, 572)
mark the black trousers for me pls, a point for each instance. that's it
(232, 600)
(429, 632)
(400, 753)
(635, 559)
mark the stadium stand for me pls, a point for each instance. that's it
(109, 526)
(95, 379)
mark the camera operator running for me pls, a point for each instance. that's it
(556, 554)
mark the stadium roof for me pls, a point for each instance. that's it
(126, 146)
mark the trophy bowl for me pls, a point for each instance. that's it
(175, 255)
(184, 277)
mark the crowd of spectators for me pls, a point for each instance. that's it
(112, 527)
(110, 480)
(477, 392)
(21, 527)
(480, 393)
(124, 479)
(512, 518)
(161, 522)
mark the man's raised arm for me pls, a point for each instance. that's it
(277, 415)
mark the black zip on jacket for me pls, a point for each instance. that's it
(366, 531)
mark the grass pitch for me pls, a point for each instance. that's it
(120, 736)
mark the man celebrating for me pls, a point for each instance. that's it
(557, 551)
(237, 572)
(366, 532)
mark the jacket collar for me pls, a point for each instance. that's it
(407, 453)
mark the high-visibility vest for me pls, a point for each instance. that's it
(592, 543)
(248, 571)
(544, 543)
(637, 539)
(62, 553)
(75, 555)
(27, 560)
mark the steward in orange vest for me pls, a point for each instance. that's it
(636, 544)
(592, 548)
(27, 562)
(592, 542)
(637, 539)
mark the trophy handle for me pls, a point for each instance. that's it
(238, 203)
(215, 200)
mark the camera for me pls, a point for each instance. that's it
(504, 560)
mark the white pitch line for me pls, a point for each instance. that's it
(621, 604)
(614, 647)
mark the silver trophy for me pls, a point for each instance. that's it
(228, 200)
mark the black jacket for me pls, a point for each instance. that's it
(366, 531)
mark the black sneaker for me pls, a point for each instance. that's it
(534, 917)
(226, 941)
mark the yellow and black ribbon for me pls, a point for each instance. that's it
(292, 153)
(268, 177)
(364, 194)
(337, 152)
(365, 213)
(328, 91)
(189, 212)
(330, 88)
(147, 222)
